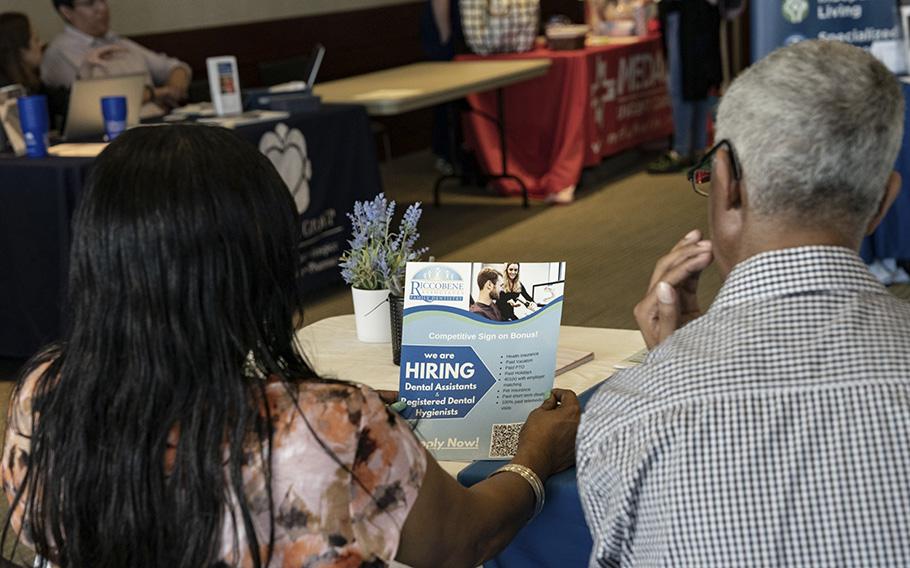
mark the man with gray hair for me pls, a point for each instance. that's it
(774, 429)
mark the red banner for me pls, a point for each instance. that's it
(591, 103)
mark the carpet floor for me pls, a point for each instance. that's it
(620, 223)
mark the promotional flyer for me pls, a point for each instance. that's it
(478, 352)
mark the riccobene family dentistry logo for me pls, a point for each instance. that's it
(437, 284)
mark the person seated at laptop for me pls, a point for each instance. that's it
(178, 424)
(72, 55)
(20, 61)
(489, 285)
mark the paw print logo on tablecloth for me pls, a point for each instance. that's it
(286, 149)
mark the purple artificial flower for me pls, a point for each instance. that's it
(377, 257)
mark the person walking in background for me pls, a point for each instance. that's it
(691, 34)
(87, 29)
(773, 428)
(442, 38)
(513, 293)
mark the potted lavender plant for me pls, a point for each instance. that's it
(374, 265)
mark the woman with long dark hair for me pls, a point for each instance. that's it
(176, 424)
(20, 52)
(20, 59)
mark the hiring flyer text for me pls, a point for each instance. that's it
(478, 352)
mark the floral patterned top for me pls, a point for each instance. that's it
(325, 517)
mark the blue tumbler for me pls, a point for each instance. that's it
(113, 109)
(34, 121)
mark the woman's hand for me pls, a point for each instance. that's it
(451, 525)
(387, 396)
(547, 440)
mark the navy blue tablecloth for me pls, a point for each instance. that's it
(339, 156)
(558, 536)
(37, 201)
(329, 157)
(892, 238)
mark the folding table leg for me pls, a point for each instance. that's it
(458, 172)
(500, 122)
(501, 126)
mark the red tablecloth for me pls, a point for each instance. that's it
(591, 103)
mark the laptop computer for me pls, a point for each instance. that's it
(296, 95)
(83, 118)
(295, 73)
(313, 65)
(543, 294)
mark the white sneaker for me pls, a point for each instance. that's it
(898, 274)
(562, 197)
(881, 273)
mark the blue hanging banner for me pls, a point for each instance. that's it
(863, 23)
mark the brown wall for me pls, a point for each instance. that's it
(356, 42)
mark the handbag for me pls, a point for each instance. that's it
(500, 26)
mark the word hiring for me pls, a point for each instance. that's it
(439, 370)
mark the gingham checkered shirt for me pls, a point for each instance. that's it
(772, 431)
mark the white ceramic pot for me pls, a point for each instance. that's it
(371, 313)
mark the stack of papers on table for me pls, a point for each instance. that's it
(192, 111)
(89, 150)
(249, 117)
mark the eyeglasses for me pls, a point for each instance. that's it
(700, 174)
(88, 3)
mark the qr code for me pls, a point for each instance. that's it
(504, 440)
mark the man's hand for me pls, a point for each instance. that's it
(671, 300)
(168, 96)
(100, 55)
(174, 91)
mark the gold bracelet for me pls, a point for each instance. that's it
(536, 486)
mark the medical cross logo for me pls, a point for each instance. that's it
(603, 90)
